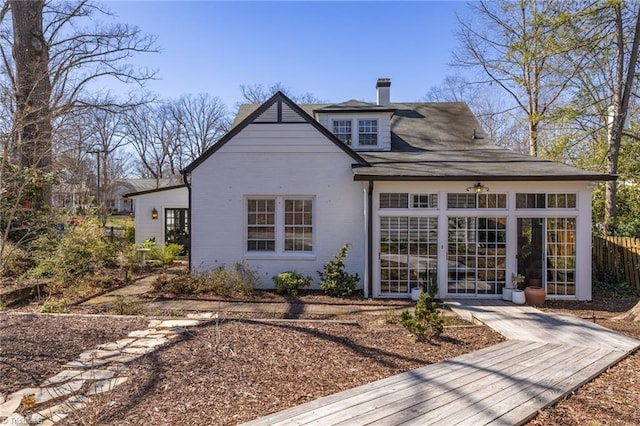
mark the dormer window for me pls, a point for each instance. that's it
(362, 131)
(368, 132)
(342, 130)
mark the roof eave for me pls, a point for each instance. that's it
(532, 178)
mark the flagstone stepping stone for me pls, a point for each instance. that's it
(38, 395)
(96, 354)
(102, 386)
(86, 364)
(110, 357)
(15, 419)
(140, 333)
(124, 358)
(149, 342)
(60, 411)
(8, 407)
(117, 345)
(178, 323)
(66, 375)
(138, 350)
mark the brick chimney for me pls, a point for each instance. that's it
(383, 87)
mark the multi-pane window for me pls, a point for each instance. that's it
(394, 200)
(261, 225)
(298, 225)
(541, 201)
(280, 225)
(424, 201)
(367, 132)
(403, 200)
(561, 201)
(342, 130)
(481, 201)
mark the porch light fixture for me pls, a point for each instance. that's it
(154, 213)
(478, 188)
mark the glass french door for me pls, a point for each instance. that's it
(408, 253)
(476, 255)
(176, 227)
(547, 253)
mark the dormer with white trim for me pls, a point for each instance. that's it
(361, 125)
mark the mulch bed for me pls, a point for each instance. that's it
(236, 370)
(34, 347)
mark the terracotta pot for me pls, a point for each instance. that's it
(534, 295)
(536, 282)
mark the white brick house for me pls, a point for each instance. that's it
(416, 189)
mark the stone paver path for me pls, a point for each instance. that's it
(93, 372)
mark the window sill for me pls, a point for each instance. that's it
(280, 256)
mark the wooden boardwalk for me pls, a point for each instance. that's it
(548, 357)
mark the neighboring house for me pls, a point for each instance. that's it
(416, 189)
(116, 201)
(162, 215)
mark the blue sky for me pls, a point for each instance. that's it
(333, 50)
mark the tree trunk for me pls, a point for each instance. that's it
(619, 112)
(33, 89)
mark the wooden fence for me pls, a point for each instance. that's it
(618, 254)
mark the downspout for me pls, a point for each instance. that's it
(370, 239)
(186, 179)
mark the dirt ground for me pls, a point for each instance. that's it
(235, 370)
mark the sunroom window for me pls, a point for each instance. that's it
(542, 200)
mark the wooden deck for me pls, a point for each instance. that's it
(548, 357)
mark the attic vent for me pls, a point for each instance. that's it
(270, 115)
(290, 116)
(279, 112)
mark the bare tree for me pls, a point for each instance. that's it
(60, 50)
(501, 121)
(202, 119)
(258, 93)
(154, 135)
(521, 46)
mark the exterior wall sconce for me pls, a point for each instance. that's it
(478, 188)
(154, 213)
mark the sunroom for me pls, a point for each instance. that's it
(473, 236)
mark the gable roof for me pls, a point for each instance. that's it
(277, 109)
(444, 141)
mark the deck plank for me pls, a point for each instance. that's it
(451, 368)
(548, 356)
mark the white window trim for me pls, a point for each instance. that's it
(355, 132)
(279, 252)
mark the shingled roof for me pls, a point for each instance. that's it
(442, 141)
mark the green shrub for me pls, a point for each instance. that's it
(130, 234)
(426, 322)
(290, 282)
(165, 254)
(15, 261)
(334, 280)
(55, 307)
(76, 252)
